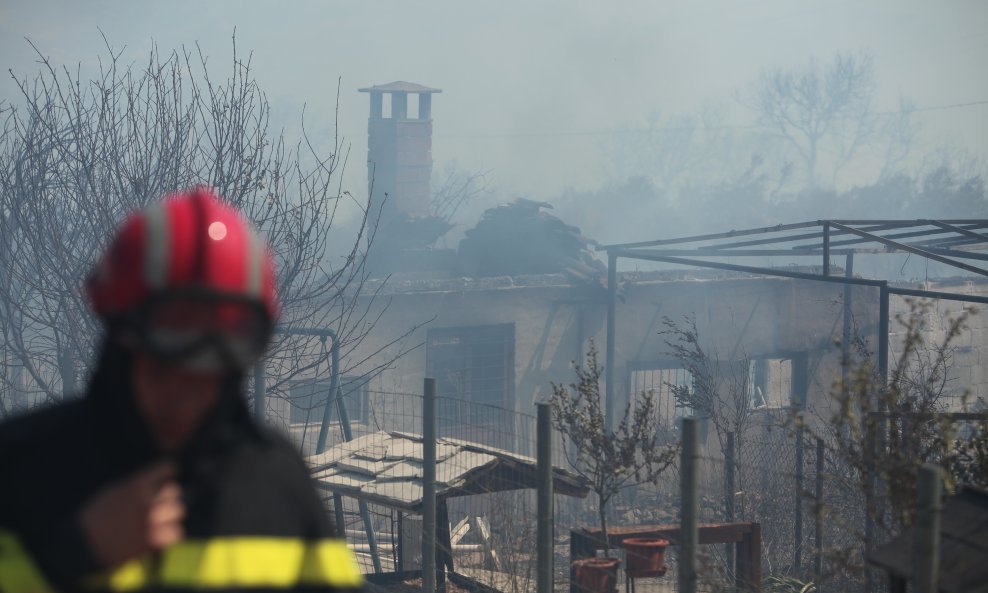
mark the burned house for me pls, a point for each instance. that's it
(520, 301)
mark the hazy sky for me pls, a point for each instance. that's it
(532, 89)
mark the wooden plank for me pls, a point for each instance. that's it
(485, 536)
(710, 533)
(750, 579)
(444, 549)
(462, 528)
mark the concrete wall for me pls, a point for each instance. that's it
(969, 347)
(553, 322)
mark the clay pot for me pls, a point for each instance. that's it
(596, 575)
(645, 556)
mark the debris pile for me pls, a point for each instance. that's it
(519, 238)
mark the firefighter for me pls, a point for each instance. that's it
(158, 479)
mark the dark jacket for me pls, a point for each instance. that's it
(253, 519)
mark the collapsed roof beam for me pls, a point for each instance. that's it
(713, 252)
(910, 234)
(685, 261)
(958, 253)
(930, 294)
(911, 249)
(727, 235)
(962, 227)
(802, 237)
(959, 230)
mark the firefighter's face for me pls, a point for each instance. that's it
(173, 400)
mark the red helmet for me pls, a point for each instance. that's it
(187, 273)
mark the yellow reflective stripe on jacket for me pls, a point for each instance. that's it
(241, 562)
(331, 561)
(18, 572)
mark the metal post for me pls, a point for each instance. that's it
(845, 346)
(797, 559)
(338, 514)
(826, 248)
(336, 395)
(883, 334)
(260, 403)
(609, 369)
(689, 505)
(818, 515)
(429, 487)
(729, 489)
(334, 381)
(876, 440)
(545, 512)
(869, 463)
(926, 542)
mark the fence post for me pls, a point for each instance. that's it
(688, 505)
(870, 509)
(429, 486)
(543, 447)
(729, 489)
(818, 517)
(926, 545)
(797, 558)
(338, 514)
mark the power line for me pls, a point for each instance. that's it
(652, 130)
(943, 107)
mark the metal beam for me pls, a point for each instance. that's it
(959, 230)
(712, 252)
(883, 334)
(910, 234)
(959, 253)
(544, 539)
(728, 234)
(933, 294)
(747, 269)
(429, 567)
(965, 227)
(908, 248)
(609, 370)
(911, 222)
(789, 238)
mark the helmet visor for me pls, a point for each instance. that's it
(230, 332)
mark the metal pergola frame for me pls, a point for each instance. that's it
(959, 243)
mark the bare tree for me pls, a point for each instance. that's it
(457, 189)
(77, 154)
(675, 152)
(885, 430)
(901, 132)
(718, 390)
(610, 460)
(879, 432)
(820, 108)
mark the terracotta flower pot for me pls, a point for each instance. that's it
(645, 556)
(596, 575)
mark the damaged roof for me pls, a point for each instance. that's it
(386, 468)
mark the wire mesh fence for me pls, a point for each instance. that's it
(806, 501)
(485, 481)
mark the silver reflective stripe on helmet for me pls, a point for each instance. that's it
(156, 246)
(255, 262)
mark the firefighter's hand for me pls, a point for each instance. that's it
(135, 516)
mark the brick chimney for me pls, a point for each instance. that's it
(399, 148)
